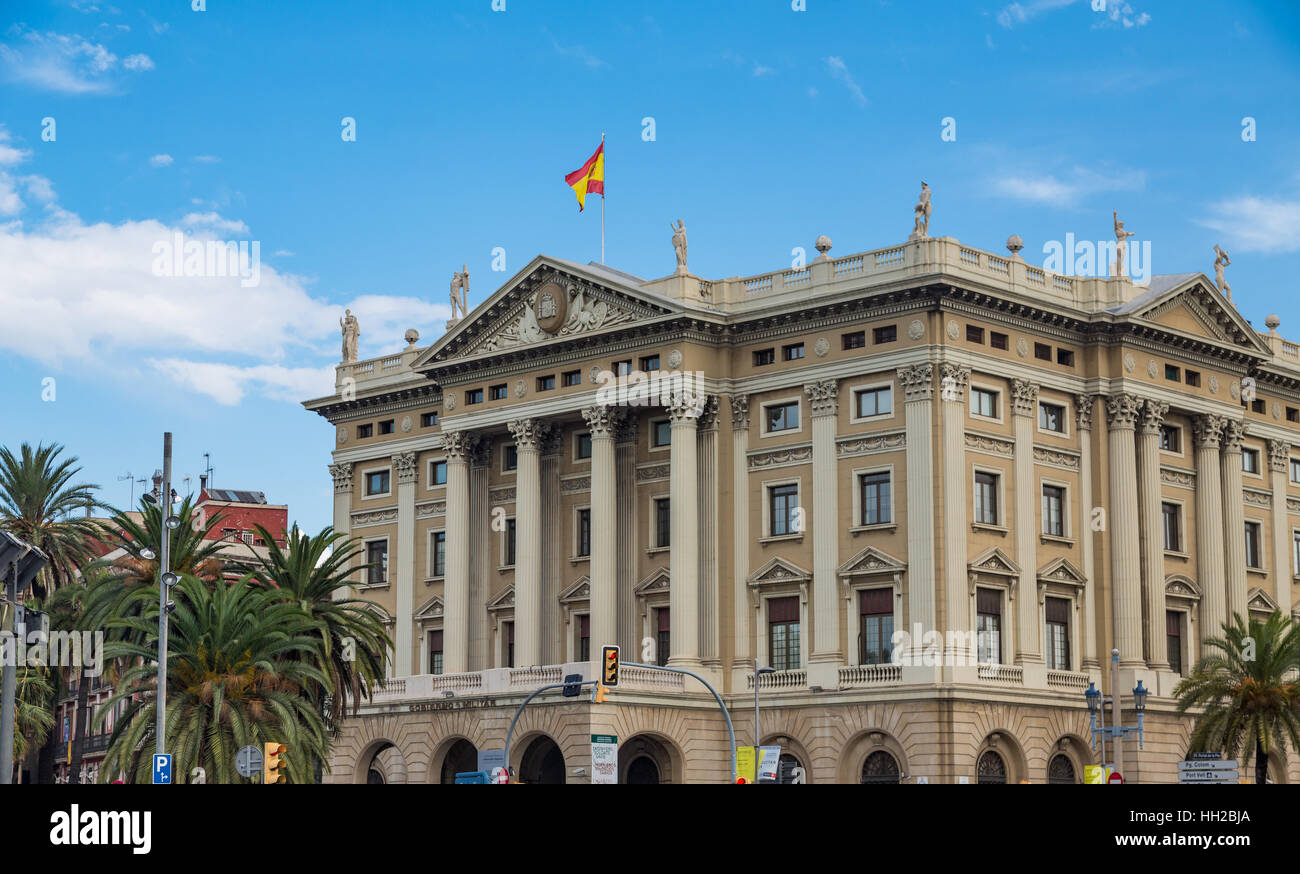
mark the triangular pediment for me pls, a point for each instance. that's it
(432, 609)
(1061, 570)
(1258, 599)
(1190, 305)
(871, 561)
(579, 591)
(658, 581)
(550, 300)
(778, 570)
(504, 600)
(994, 561)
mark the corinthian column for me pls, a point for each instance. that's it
(404, 467)
(1024, 411)
(743, 653)
(602, 421)
(528, 542)
(706, 453)
(1152, 537)
(1234, 520)
(1083, 421)
(1279, 456)
(953, 382)
(684, 557)
(1125, 551)
(455, 596)
(1207, 431)
(824, 399)
(918, 391)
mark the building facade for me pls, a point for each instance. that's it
(786, 469)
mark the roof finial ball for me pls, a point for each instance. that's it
(412, 337)
(1272, 322)
(822, 245)
(1014, 245)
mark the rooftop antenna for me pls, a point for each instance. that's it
(207, 467)
(131, 478)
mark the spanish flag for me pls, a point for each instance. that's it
(589, 178)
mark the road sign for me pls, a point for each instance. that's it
(1206, 756)
(604, 758)
(248, 761)
(1226, 765)
(1208, 771)
(162, 768)
(1115, 777)
(500, 775)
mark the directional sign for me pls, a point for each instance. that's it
(604, 758)
(162, 768)
(1228, 765)
(248, 761)
(1208, 772)
(1206, 756)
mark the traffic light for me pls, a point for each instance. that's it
(609, 666)
(274, 767)
(602, 692)
(740, 781)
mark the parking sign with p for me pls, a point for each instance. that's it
(162, 768)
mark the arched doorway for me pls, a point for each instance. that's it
(1061, 770)
(542, 762)
(788, 767)
(647, 759)
(380, 763)
(991, 768)
(880, 767)
(642, 770)
(462, 757)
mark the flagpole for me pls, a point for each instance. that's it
(602, 201)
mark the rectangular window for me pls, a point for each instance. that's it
(386, 426)
(1173, 372)
(854, 339)
(438, 473)
(783, 501)
(1042, 352)
(875, 402)
(988, 626)
(1250, 460)
(377, 560)
(887, 334)
(584, 532)
(377, 482)
(498, 392)
(583, 448)
(438, 550)
(571, 378)
(1192, 378)
(473, 396)
(650, 363)
(984, 403)
(764, 356)
(584, 637)
(997, 340)
(1065, 357)
(1252, 545)
(974, 334)
(783, 417)
(1171, 438)
(435, 652)
(510, 644)
(1295, 549)
(1057, 613)
(1257, 406)
(1174, 639)
(1292, 414)
(793, 352)
(1171, 519)
(510, 457)
(364, 431)
(663, 522)
(546, 383)
(783, 633)
(876, 620)
(663, 631)
(662, 434)
(986, 498)
(1295, 470)
(428, 420)
(1051, 417)
(623, 368)
(875, 498)
(1054, 511)
(510, 542)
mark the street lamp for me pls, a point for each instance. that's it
(1118, 731)
(757, 737)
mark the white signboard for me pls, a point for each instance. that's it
(604, 758)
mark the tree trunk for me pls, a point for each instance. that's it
(1261, 763)
(79, 736)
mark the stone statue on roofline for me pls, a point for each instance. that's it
(679, 244)
(1221, 261)
(351, 334)
(921, 227)
(1121, 244)
(460, 293)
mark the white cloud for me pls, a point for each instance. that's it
(214, 222)
(38, 188)
(10, 203)
(66, 63)
(8, 154)
(282, 253)
(1069, 189)
(228, 384)
(137, 62)
(160, 161)
(1018, 13)
(575, 51)
(839, 70)
(761, 70)
(206, 159)
(1257, 224)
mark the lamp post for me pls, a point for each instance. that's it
(1118, 731)
(166, 579)
(757, 737)
(19, 563)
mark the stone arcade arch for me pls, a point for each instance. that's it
(457, 755)
(542, 761)
(858, 760)
(380, 762)
(649, 758)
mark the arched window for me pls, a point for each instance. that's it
(991, 768)
(880, 767)
(1060, 769)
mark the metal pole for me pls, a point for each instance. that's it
(8, 714)
(164, 566)
(731, 731)
(602, 197)
(756, 733)
(1117, 711)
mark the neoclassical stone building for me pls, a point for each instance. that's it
(922, 438)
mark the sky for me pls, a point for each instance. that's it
(761, 123)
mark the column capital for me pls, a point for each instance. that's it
(342, 474)
(1207, 430)
(1153, 415)
(917, 381)
(1024, 397)
(458, 445)
(685, 408)
(526, 432)
(1232, 432)
(1083, 412)
(708, 419)
(602, 420)
(480, 451)
(404, 465)
(953, 379)
(1122, 411)
(824, 397)
(550, 438)
(739, 412)
(626, 430)
(1279, 455)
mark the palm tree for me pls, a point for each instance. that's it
(40, 504)
(1248, 689)
(354, 642)
(34, 710)
(233, 679)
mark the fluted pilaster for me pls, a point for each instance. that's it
(823, 398)
(918, 392)
(602, 421)
(1152, 534)
(1024, 412)
(953, 382)
(1234, 521)
(1279, 456)
(1208, 432)
(684, 556)
(743, 656)
(1125, 554)
(404, 564)
(528, 542)
(456, 612)
(1083, 422)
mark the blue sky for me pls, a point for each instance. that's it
(771, 126)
